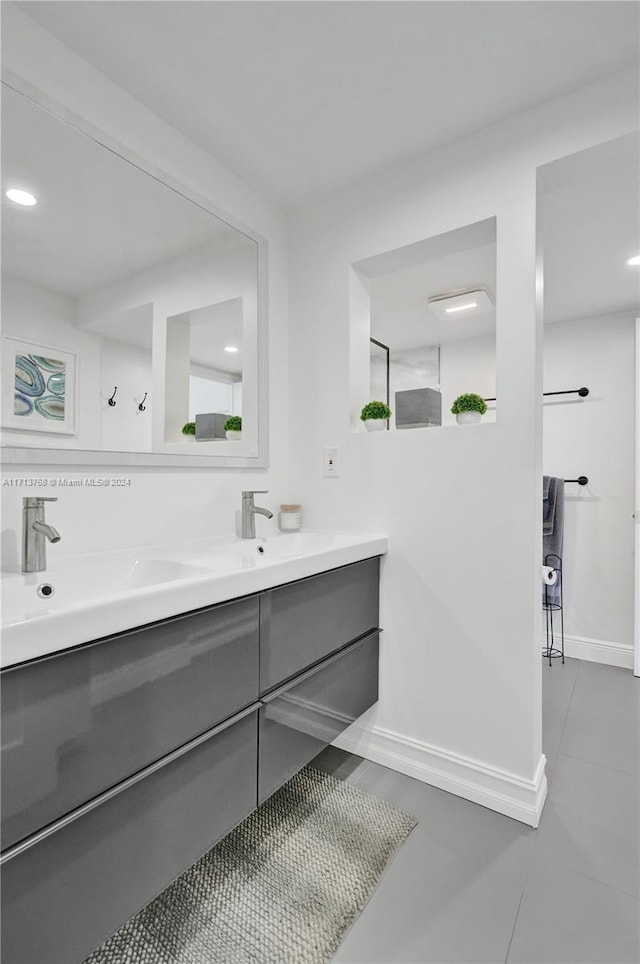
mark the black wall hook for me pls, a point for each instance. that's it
(111, 401)
(142, 406)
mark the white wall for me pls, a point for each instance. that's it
(594, 436)
(460, 664)
(159, 505)
(209, 395)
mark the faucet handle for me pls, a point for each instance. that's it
(32, 502)
(249, 492)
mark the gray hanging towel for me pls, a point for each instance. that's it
(552, 532)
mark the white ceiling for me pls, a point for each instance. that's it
(589, 226)
(212, 328)
(402, 281)
(400, 315)
(302, 98)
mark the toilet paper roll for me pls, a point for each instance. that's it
(549, 575)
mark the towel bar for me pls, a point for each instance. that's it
(583, 392)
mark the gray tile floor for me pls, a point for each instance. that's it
(471, 886)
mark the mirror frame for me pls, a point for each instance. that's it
(250, 456)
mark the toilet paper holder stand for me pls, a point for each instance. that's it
(552, 603)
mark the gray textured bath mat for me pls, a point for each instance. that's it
(282, 888)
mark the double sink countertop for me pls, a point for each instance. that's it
(102, 593)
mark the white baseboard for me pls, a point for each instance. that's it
(597, 650)
(496, 789)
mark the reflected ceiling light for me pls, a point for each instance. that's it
(230, 348)
(470, 302)
(21, 197)
(635, 260)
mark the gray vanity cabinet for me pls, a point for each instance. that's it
(299, 719)
(125, 759)
(77, 723)
(67, 892)
(305, 621)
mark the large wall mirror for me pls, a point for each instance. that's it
(129, 309)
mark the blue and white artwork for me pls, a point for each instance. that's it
(39, 386)
(43, 382)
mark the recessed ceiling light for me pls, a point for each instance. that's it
(230, 348)
(21, 197)
(469, 304)
(635, 260)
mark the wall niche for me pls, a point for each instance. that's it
(423, 327)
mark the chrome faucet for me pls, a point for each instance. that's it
(250, 511)
(34, 531)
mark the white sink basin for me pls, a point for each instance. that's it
(98, 594)
(152, 572)
(79, 584)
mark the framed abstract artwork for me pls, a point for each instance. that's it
(38, 388)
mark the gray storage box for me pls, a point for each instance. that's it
(210, 426)
(418, 408)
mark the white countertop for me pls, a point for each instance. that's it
(102, 593)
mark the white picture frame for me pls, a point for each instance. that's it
(39, 387)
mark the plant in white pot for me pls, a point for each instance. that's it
(468, 408)
(375, 416)
(189, 430)
(233, 427)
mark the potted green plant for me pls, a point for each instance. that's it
(468, 408)
(375, 415)
(233, 427)
(189, 429)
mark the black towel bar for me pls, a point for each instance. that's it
(583, 392)
(581, 480)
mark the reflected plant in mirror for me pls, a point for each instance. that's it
(141, 285)
(233, 427)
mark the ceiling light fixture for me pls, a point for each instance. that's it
(21, 197)
(230, 348)
(634, 261)
(470, 302)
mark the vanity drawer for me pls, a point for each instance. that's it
(64, 894)
(303, 622)
(75, 724)
(299, 719)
